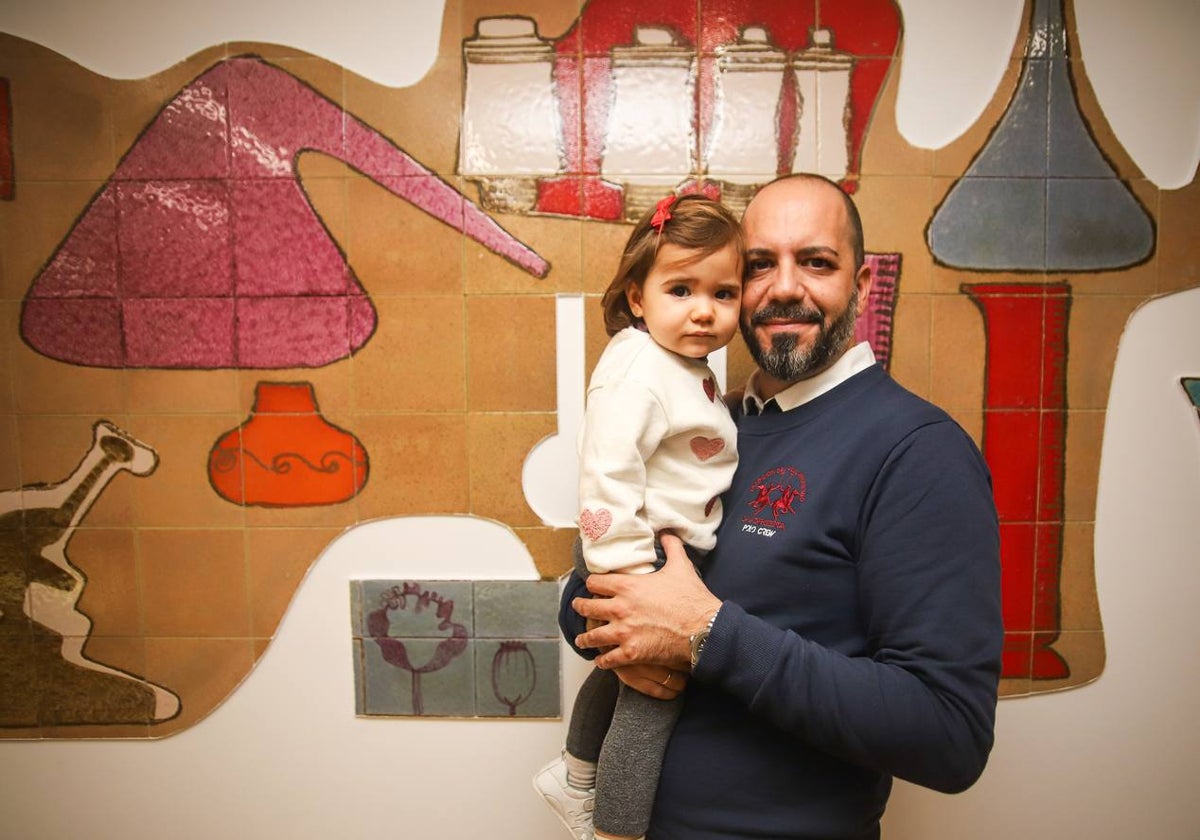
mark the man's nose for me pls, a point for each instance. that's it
(787, 283)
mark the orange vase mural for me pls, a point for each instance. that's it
(287, 454)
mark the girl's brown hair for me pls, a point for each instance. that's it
(697, 223)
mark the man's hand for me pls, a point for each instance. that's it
(647, 619)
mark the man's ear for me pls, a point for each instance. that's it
(633, 294)
(862, 283)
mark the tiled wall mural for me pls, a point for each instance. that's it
(456, 648)
(320, 302)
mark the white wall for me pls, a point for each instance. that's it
(285, 756)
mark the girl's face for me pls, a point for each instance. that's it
(690, 303)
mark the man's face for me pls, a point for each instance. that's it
(802, 293)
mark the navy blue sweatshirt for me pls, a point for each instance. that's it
(860, 633)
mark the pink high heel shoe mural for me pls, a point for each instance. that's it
(203, 251)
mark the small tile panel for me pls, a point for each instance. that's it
(466, 649)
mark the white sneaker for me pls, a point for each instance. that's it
(573, 806)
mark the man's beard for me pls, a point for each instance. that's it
(787, 362)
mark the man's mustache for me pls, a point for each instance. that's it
(787, 312)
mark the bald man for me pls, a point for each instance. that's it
(847, 629)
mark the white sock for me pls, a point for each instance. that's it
(581, 774)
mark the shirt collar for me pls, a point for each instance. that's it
(855, 360)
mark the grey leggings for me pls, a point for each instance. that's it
(625, 733)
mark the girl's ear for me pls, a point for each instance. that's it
(633, 294)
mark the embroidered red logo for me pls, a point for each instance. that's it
(775, 494)
(594, 524)
(705, 448)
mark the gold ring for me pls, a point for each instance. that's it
(666, 683)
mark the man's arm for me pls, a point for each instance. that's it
(921, 706)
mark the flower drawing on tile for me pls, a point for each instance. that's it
(635, 99)
(223, 260)
(286, 454)
(514, 674)
(408, 611)
(48, 678)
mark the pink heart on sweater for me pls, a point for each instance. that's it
(710, 389)
(594, 524)
(705, 448)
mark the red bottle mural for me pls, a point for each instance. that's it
(287, 454)
(1024, 433)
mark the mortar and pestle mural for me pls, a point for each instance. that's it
(204, 252)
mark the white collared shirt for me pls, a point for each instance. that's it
(855, 360)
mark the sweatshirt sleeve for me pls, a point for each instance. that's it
(623, 425)
(921, 704)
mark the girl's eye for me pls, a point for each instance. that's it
(726, 294)
(680, 291)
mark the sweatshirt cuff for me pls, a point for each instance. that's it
(740, 649)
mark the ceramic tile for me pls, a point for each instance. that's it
(202, 672)
(392, 689)
(194, 582)
(1178, 246)
(399, 249)
(107, 559)
(277, 559)
(19, 699)
(10, 452)
(179, 494)
(510, 367)
(87, 696)
(429, 609)
(1016, 556)
(956, 353)
(1011, 443)
(612, 24)
(1095, 224)
(888, 206)
(556, 241)
(34, 228)
(552, 17)
(518, 678)
(550, 549)
(954, 158)
(415, 361)
(912, 342)
(991, 224)
(1096, 326)
(499, 445)
(174, 239)
(1085, 433)
(420, 119)
(516, 609)
(884, 149)
(1086, 655)
(53, 450)
(1080, 604)
(135, 103)
(66, 123)
(333, 386)
(603, 244)
(425, 459)
(151, 391)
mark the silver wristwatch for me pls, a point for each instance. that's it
(698, 640)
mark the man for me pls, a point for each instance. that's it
(847, 629)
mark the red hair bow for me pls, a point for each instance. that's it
(662, 212)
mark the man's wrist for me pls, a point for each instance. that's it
(699, 639)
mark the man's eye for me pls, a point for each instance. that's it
(757, 266)
(819, 263)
